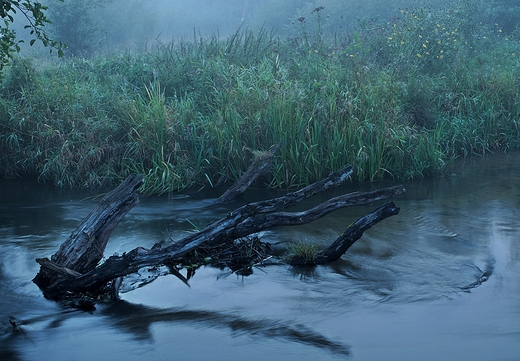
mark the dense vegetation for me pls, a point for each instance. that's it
(398, 99)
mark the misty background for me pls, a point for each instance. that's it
(95, 27)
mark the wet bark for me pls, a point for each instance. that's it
(349, 237)
(260, 166)
(67, 273)
(84, 248)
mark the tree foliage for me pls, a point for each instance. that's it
(34, 14)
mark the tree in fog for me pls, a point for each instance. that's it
(75, 24)
(34, 14)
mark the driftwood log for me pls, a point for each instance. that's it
(75, 267)
(261, 164)
(84, 248)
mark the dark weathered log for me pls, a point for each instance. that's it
(84, 248)
(49, 265)
(348, 238)
(260, 222)
(221, 230)
(246, 220)
(261, 164)
(355, 231)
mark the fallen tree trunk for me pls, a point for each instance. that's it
(84, 248)
(67, 277)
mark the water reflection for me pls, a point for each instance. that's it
(441, 280)
(138, 321)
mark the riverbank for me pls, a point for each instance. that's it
(397, 100)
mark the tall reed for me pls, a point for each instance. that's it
(397, 100)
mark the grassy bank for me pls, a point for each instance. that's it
(398, 100)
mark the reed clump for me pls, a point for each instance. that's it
(398, 100)
(301, 252)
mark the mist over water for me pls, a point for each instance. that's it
(438, 281)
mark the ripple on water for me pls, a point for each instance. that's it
(416, 284)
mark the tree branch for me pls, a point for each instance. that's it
(74, 268)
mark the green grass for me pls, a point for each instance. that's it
(397, 100)
(301, 253)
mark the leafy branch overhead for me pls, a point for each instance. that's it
(34, 14)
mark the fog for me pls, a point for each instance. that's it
(97, 27)
(101, 27)
(141, 21)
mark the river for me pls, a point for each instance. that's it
(440, 281)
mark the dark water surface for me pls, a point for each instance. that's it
(440, 281)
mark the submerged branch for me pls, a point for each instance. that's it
(74, 268)
(347, 239)
(261, 165)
